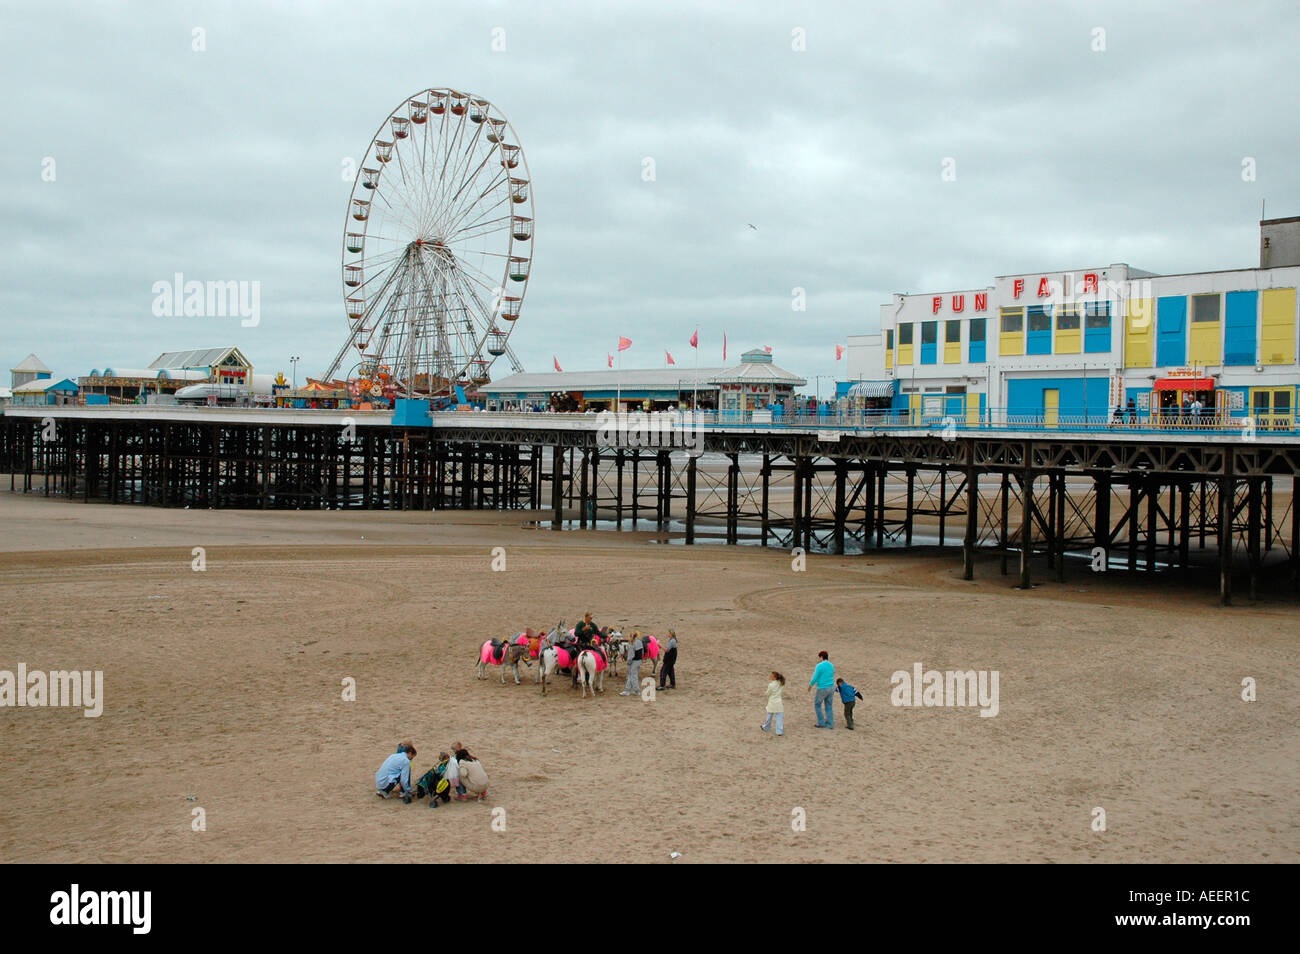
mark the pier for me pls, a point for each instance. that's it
(1124, 500)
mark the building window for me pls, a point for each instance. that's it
(929, 332)
(1098, 315)
(904, 334)
(1040, 319)
(1013, 320)
(1205, 308)
(889, 340)
(977, 329)
(1096, 325)
(1067, 319)
(952, 331)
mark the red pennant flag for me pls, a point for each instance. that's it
(670, 357)
(611, 359)
(839, 352)
(767, 348)
(724, 346)
(695, 339)
(557, 363)
(624, 343)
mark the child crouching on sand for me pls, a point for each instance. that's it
(775, 707)
(434, 782)
(473, 778)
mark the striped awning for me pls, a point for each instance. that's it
(874, 389)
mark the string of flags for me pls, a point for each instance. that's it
(624, 343)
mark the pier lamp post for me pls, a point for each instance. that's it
(293, 360)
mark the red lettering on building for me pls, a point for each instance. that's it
(981, 301)
(1017, 287)
(1090, 282)
(1044, 288)
(958, 302)
(936, 304)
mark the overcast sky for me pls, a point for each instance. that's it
(226, 163)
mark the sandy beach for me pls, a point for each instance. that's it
(223, 691)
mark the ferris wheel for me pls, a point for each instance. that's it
(437, 248)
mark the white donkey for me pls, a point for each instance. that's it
(548, 659)
(589, 673)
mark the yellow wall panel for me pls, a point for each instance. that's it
(1277, 327)
(905, 354)
(952, 352)
(1205, 343)
(1068, 341)
(1139, 332)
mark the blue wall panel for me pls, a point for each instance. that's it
(1037, 342)
(1096, 340)
(1239, 327)
(976, 352)
(1026, 397)
(928, 353)
(1171, 331)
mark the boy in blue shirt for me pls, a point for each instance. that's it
(849, 696)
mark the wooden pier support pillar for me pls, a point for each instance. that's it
(943, 504)
(1201, 514)
(733, 499)
(882, 474)
(1101, 516)
(1027, 514)
(911, 500)
(1227, 491)
(1184, 523)
(841, 475)
(796, 526)
(582, 493)
(557, 487)
(1153, 507)
(1004, 531)
(972, 521)
(663, 488)
(1253, 512)
(765, 518)
(636, 486)
(690, 500)
(1051, 520)
(1060, 527)
(1133, 498)
(264, 465)
(618, 493)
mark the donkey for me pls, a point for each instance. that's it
(591, 672)
(548, 659)
(496, 652)
(621, 648)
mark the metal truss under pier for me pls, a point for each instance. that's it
(1136, 503)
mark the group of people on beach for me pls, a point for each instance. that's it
(458, 774)
(827, 686)
(587, 635)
